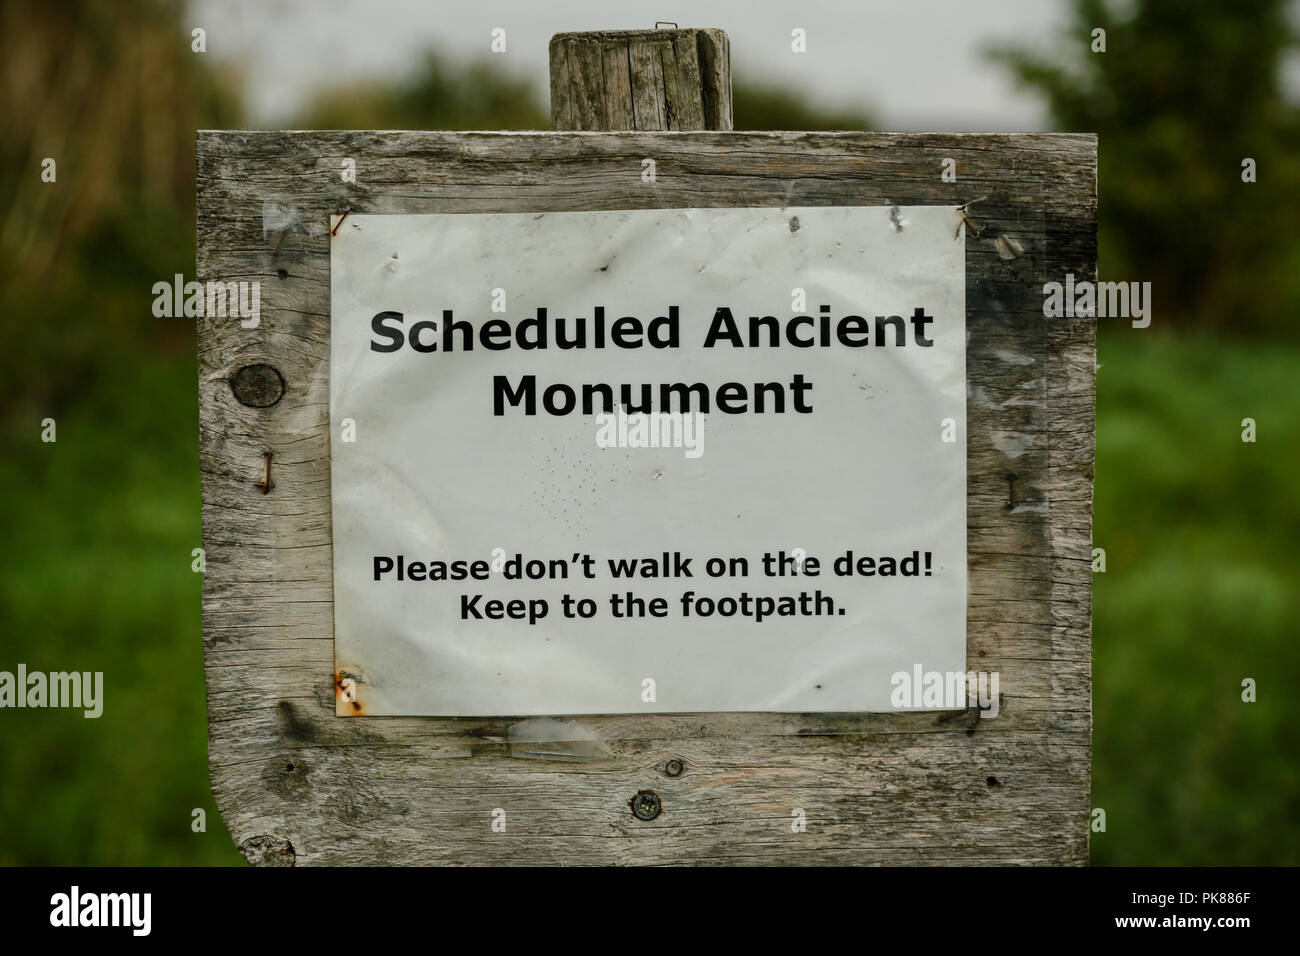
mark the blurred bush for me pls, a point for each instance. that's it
(98, 526)
(444, 94)
(1184, 91)
(1201, 533)
(439, 94)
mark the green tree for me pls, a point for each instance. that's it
(99, 527)
(439, 94)
(444, 94)
(770, 107)
(1184, 92)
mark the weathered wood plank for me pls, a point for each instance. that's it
(876, 788)
(641, 79)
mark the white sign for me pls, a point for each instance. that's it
(643, 461)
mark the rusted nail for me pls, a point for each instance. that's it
(347, 685)
(966, 220)
(265, 485)
(673, 768)
(335, 230)
(646, 805)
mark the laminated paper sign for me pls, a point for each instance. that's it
(678, 460)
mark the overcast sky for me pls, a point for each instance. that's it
(914, 64)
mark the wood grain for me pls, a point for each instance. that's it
(641, 79)
(296, 784)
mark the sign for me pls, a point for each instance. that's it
(422, 467)
(678, 460)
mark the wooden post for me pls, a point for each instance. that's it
(296, 784)
(641, 79)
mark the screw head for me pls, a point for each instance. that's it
(646, 805)
(673, 768)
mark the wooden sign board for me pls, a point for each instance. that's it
(297, 784)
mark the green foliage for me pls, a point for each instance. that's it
(1200, 531)
(443, 94)
(439, 94)
(1183, 93)
(95, 576)
(99, 525)
(770, 107)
